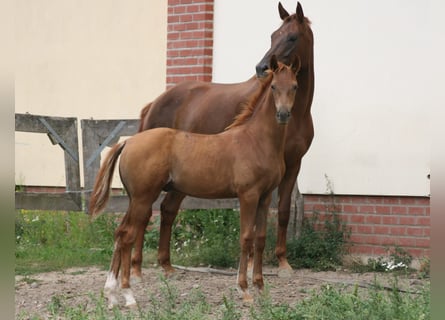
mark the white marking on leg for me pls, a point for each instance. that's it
(109, 290)
(129, 298)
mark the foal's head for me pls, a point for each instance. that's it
(284, 87)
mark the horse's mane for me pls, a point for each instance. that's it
(248, 107)
(294, 16)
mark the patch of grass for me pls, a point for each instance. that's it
(339, 302)
(47, 241)
(202, 237)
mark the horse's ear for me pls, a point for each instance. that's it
(273, 63)
(297, 66)
(283, 13)
(300, 14)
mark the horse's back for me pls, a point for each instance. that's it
(197, 106)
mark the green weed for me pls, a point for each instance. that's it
(47, 241)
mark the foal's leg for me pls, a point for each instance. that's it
(125, 237)
(136, 259)
(260, 241)
(169, 210)
(285, 197)
(248, 207)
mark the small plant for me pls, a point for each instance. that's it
(398, 259)
(320, 246)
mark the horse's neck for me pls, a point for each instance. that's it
(305, 93)
(264, 124)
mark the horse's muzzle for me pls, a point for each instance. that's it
(261, 69)
(282, 117)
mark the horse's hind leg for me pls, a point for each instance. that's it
(285, 195)
(169, 210)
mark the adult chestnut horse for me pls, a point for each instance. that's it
(209, 108)
(245, 161)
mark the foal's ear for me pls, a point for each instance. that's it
(297, 66)
(283, 13)
(300, 14)
(273, 63)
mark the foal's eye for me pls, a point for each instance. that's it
(273, 87)
(295, 87)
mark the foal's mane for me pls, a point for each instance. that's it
(248, 107)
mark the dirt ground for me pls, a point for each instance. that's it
(33, 294)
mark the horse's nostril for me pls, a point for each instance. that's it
(260, 69)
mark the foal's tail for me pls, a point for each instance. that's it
(101, 190)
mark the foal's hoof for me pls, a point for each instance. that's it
(131, 306)
(247, 298)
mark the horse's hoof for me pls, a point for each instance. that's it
(285, 273)
(135, 280)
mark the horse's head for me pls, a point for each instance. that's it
(284, 87)
(292, 41)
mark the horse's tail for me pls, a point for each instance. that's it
(102, 186)
(142, 116)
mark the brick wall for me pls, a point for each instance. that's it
(380, 222)
(189, 40)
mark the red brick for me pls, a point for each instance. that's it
(406, 242)
(359, 199)
(407, 221)
(357, 218)
(407, 200)
(367, 209)
(350, 208)
(399, 231)
(381, 229)
(388, 241)
(362, 249)
(423, 201)
(383, 209)
(417, 232)
(391, 200)
(416, 211)
(375, 219)
(422, 243)
(399, 210)
(390, 220)
(423, 221)
(364, 229)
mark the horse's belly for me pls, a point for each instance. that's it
(204, 185)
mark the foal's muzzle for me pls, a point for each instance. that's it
(282, 117)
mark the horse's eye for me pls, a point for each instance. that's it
(295, 87)
(292, 38)
(272, 87)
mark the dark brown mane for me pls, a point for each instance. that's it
(248, 107)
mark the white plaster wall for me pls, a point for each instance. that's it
(379, 72)
(88, 59)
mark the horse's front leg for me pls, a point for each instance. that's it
(248, 207)
(169, 210)
(285, 197)
(260, 240)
